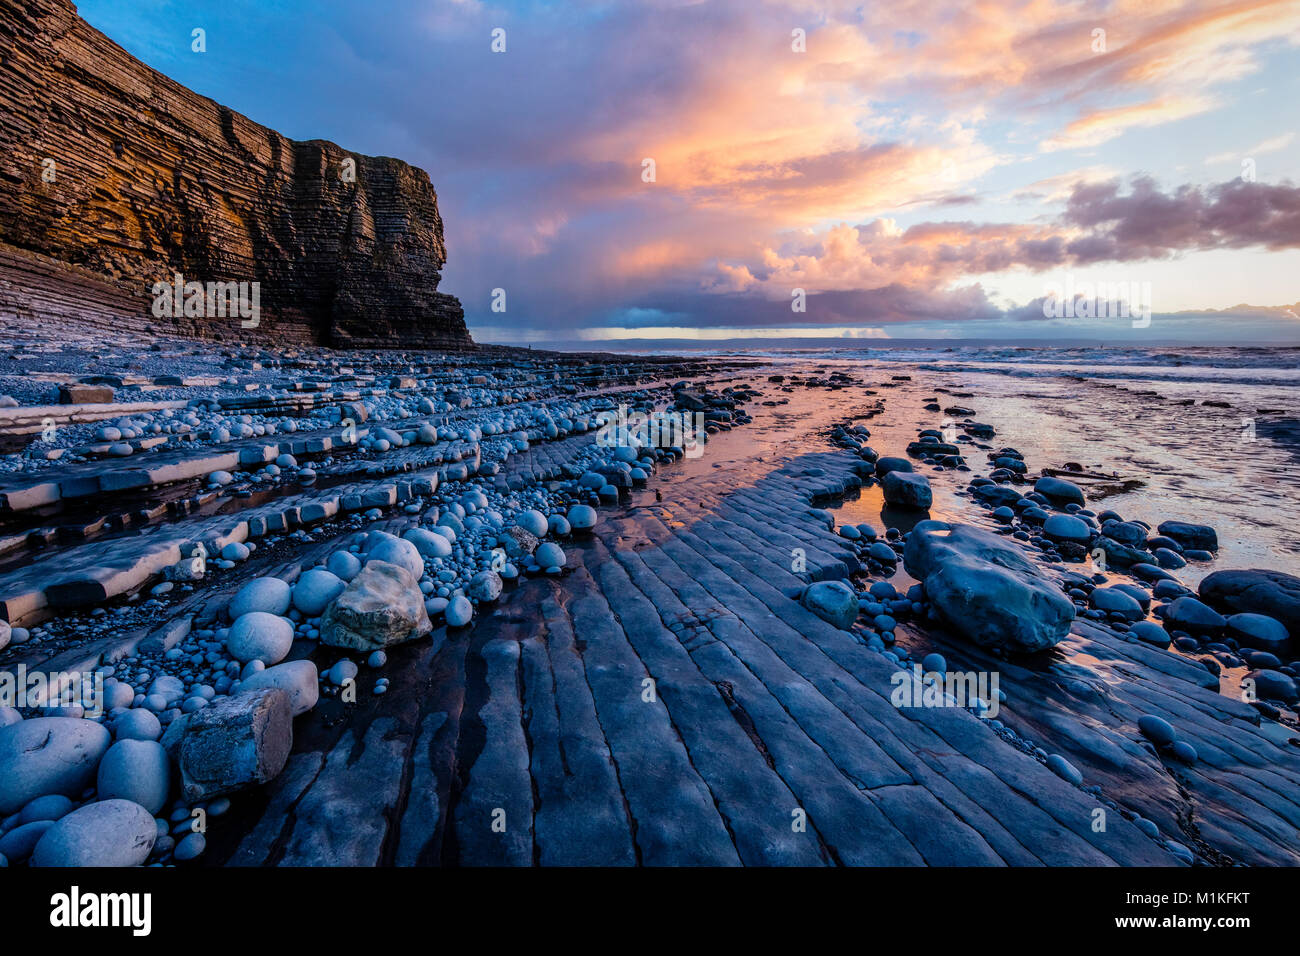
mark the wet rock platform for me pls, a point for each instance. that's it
(671, 696)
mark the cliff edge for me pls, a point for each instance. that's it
(114, 178)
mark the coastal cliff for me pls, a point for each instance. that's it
(114, 178)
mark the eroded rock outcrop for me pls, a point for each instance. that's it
(113, 178)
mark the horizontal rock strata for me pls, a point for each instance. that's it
(113, 178)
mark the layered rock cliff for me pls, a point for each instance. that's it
(114, 178)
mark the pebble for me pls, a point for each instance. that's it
(1147, 826)
(1064, 769)
(342, 672)
(190, 848)
(1184, 751)
(1156, 729)
(459, 611)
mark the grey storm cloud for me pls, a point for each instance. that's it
(1147, 223)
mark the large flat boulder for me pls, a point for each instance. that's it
(986, 589)
(380, 607)
(85, 394)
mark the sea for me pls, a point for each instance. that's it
(1212, 433)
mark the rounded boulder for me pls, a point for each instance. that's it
(313, 592)
(48, 755)
(268, 595)
(398, 551)
(549, 555)
(833, 601)
(260, 636)
(107, 833)
(135, 770)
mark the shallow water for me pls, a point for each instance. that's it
(1123, 411)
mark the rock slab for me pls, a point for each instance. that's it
(237, 742)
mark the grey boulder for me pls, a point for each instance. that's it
(1259, 630)
(907, 489)
(1067, 528)
(986, 589)
(1257, 592)
(135, 770)
(1198, 537)
(234, 743)
(885, 466)
(1273, 685)
(48, 755)
(1115, 601)
(1128, 533)
(380, 607)
(299, 679)
(485, 586)
(383, 547)
(108, 833)
(1121, 555)
(1058, 490)
(1193, 616)
(832, 601)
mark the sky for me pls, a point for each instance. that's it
(758, 170)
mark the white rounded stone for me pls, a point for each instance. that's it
(269, 595)
(135, 770)
(315, 589)
(459, 611)
(549, 555)
(107, 833)
(258, 635)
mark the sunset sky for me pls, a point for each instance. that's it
(921, 169)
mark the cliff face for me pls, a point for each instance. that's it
(113, 178)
